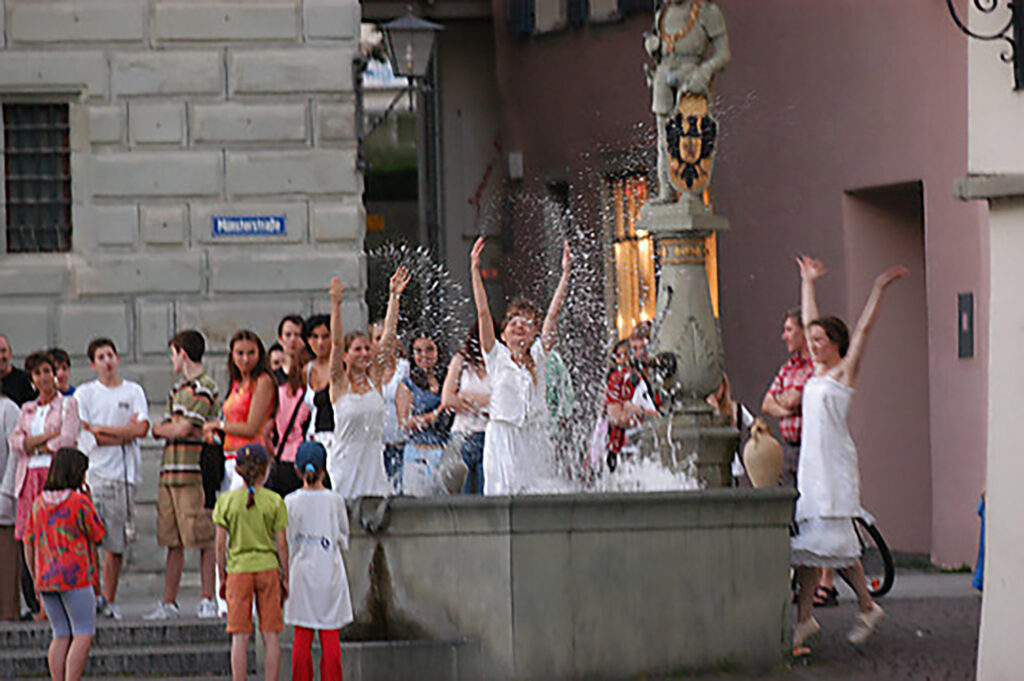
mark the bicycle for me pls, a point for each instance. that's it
(875, 556)
(879, 568)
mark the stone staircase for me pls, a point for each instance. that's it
(132, 649)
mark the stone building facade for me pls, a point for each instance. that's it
(213, 172)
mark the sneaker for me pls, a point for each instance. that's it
(804, 630)
(101, 604)
(865, 624)
(112, 611)
(163, 611)
(208, 608)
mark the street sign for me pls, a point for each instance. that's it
(249, 225)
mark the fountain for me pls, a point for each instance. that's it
(604, 585)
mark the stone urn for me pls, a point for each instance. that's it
(762, 456)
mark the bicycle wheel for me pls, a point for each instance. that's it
(875, 557)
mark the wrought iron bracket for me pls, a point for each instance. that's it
(1012, 33)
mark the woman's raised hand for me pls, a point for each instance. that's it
(810, 269)
(476, 252)
(399, 280)
(337, 290)
(566, 258)
(890, 275)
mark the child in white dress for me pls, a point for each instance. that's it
(518, 454)
(319, 598)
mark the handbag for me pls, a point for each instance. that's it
(211, 467)
(451, 472)
(281, 481)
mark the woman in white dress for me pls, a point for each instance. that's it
(518, 454)
(828, 478)
(356, 459)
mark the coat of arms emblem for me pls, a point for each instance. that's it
(691, 133)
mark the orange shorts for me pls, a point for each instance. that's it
(266, 587)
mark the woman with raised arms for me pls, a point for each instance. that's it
(355, 461)
(518, 454)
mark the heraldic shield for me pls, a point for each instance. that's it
(691, 134)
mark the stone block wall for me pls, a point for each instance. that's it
(180, 111)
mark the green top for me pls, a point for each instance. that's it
(196, 402)
(251, 531)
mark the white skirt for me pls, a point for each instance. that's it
(825, 542)
(518, 459)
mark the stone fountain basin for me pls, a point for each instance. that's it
(582, 585)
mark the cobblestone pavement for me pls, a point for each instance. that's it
(921, 639)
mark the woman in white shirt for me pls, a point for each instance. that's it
(467, 392)
(518, 455)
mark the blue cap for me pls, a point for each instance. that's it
(310, 453)
(254, 452)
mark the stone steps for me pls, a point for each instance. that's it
(136, 649)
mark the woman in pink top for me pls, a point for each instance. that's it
(290, 425)
(249, 407)
(45, 425)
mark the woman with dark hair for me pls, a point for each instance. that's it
(518, 454)
(60, 539)
(317, 332)
(290, 423)
(45, 424)
(827, 476)
(248, 411)
(355, 462)
(467, 392)
(418, 405)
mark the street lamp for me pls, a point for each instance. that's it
(410, 42)
(1014, 54)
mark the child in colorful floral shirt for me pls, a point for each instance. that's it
(60, 536)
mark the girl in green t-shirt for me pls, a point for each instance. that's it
(252, 560)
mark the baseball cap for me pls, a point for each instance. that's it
(311, 453)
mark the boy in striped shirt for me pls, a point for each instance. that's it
(183, 518)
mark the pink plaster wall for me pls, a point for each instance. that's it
(821, 98)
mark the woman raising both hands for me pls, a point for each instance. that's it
(355, 460)
(828, 478)
(518, 455)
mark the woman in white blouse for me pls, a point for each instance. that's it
(518, 455)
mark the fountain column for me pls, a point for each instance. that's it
(687, 345)
(689, 45)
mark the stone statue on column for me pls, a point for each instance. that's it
(689, 45)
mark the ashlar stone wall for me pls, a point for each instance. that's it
(182, 110)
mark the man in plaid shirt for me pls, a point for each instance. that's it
(783, 397)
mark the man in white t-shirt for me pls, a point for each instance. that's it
(115, 412)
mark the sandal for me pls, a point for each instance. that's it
(826, 597)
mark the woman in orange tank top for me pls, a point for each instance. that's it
(249, 407)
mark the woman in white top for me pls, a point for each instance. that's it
(518, 455)
(467, 392)
(828, 478)
(356, 460)
(395, 371)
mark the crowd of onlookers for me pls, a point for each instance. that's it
(255, 478)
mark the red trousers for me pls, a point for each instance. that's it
(302, 656)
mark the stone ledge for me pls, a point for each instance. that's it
(995, 186)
